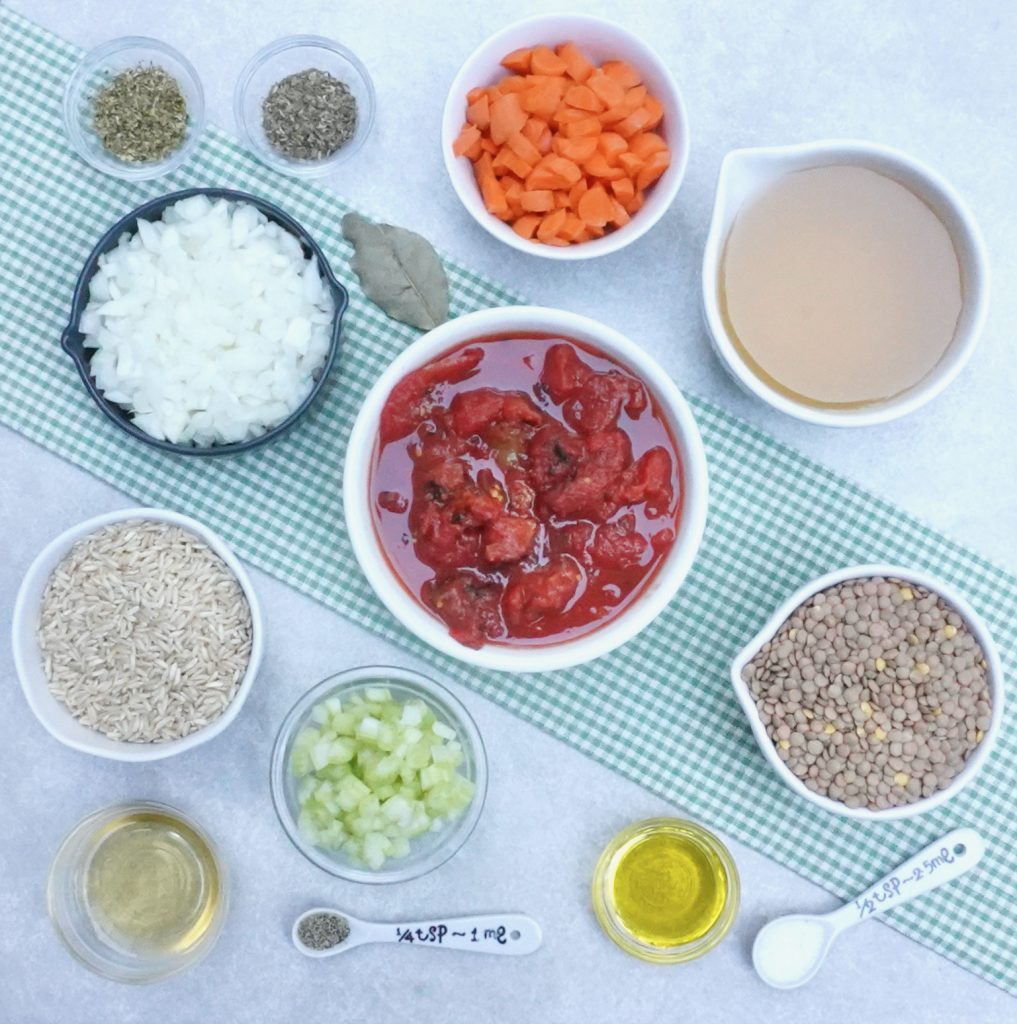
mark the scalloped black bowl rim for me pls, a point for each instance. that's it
(72, 340)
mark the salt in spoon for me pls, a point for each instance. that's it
(790, 950)
(501, 934)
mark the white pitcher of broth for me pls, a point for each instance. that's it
(843, 282)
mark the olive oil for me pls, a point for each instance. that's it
(839, 286)
(666, 890)
(152, 884)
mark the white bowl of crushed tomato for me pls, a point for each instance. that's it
(525, 488)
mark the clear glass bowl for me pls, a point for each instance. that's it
(428, 851)
(603, 898)
(85, 938)
(287, 57)
(100, 65)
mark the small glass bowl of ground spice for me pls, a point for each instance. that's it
(304, 104)
(134, 108)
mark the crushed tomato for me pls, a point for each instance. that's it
(525, 489)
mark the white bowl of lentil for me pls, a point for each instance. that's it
(969, 618)
(29, 661)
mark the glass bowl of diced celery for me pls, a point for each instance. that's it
(378, 774)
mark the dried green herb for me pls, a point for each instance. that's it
(399, 270)
(309, 115)
(141, 115)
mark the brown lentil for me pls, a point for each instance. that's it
(874, 692)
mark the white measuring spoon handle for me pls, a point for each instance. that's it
(501, 934)
(940, 862)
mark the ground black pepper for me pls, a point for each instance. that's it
(323, 930)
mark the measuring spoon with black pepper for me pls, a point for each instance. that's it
(323, 931)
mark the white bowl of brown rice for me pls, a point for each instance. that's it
(136, 635)
(875, 692)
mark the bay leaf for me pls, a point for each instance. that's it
(399, 271)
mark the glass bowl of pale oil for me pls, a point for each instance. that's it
(137, 892)
(666, 890)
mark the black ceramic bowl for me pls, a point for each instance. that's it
(72, 339)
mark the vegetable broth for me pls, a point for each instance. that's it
(839, 286)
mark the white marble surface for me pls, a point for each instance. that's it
(932, 77)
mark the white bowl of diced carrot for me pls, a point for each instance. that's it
(565, 136)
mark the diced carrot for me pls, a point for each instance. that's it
(542, 177)
(612, 145)
(511, 161)
(512, 83)
(583, 98)
(576, 129)
(634, 98)
(578, 150)
(468, 142)
(623, 189)
(537, 200)
(494, 198)
(513, 190)
(479, 112)
(577, 67)
(544, 61)
(576, 192)
(656, 111)
(533, 129)
(656, 164)
(483, 169)
(572, 228)
(569, 115)
(526, 225)
(645, 144)
(624, 74)
(543, 100)
(635, 122)
(523, 147)
(596, 207)
(564, 168)
(613, 115)
(598, 167)
(630, 163)
(608, 91)
(518, 61)
(551, 225)
(507, 117)
(635, 203)
(563, 150)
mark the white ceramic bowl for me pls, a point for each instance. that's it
(53, 715)
(745, 172)
(661, 588)
(600, 40)
(979, 630)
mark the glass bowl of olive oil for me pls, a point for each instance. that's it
(137, 892)
(666, 890)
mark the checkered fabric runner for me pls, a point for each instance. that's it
(660, 710)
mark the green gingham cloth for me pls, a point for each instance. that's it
(660, 710)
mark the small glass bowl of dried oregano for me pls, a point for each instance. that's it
(134, 108)
(304, 104)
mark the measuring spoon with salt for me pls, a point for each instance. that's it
(500, 934)
(790, 950)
